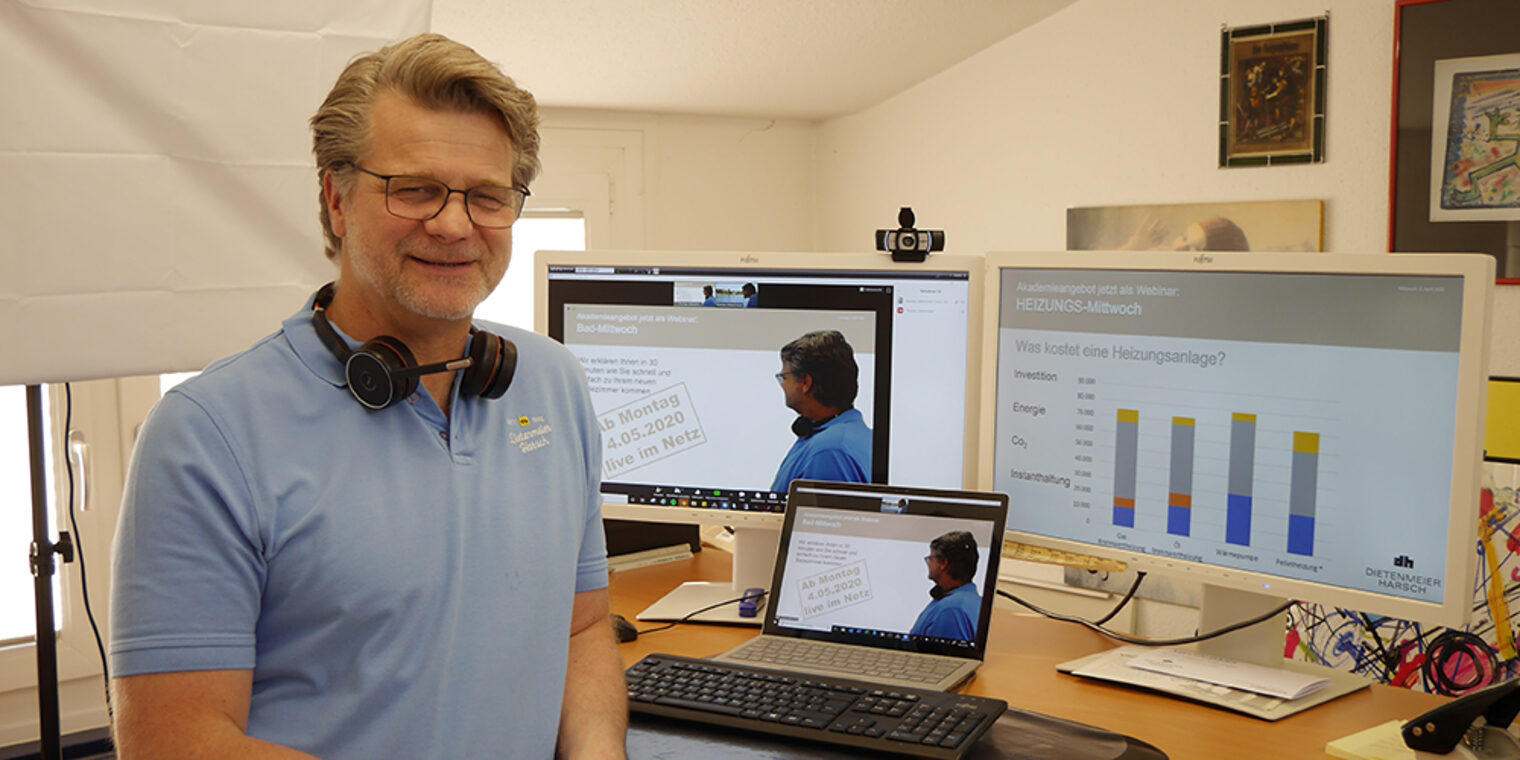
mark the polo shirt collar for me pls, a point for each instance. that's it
(844, 416)
(302, 335)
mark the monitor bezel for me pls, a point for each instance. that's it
(1459, 575)
(973, 266)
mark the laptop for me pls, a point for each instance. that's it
(852, 594)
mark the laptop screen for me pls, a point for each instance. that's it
(890, 567)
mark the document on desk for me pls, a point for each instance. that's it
(1273, 682)
(1385, 742)
(1114, 665)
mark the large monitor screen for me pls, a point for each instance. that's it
(697, 408)
(1304, 426)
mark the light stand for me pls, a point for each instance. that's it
(43, 549)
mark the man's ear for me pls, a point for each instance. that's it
(333, 196)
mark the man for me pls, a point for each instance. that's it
(819, 380)
(956, 606)
(707, 296)
(751, 295)
(298, 575)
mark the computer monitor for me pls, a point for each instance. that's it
(682, 351)
(1276, 426)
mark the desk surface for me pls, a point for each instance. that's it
(1022, 653)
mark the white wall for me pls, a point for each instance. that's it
(1107, 102)
(703, 182)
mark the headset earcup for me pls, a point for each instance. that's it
(371, 372)
(507, 360)
(493, 363)
(482, 355)
(803, 427)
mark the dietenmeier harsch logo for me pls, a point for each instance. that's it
(533, 433)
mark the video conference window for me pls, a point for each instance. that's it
(916, 579)
(696, 404)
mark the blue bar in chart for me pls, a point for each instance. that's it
(1237, 525)
(1303, 485)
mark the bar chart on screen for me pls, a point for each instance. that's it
(1266, 489)
(1206, 450)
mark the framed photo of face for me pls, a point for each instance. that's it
(1272, 94)
(1231, 226)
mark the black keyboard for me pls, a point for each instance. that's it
(834, 710)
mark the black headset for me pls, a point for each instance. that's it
(803, 427)
(384, 371)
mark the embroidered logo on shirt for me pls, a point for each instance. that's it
(535, 437)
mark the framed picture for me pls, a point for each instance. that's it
(1272, 94)
(1233, 226)
(1475, 139)
(1425, 33)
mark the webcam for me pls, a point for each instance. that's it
(906, 243)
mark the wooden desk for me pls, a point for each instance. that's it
(1022, 654)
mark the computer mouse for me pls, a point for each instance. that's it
(624, 630)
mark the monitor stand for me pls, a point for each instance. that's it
(754, 562)
(1261, 644)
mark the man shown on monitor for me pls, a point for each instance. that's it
(953, 611)
(819, 379)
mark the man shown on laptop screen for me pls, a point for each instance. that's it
(954, 602)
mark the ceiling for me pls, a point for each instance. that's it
(793, 59)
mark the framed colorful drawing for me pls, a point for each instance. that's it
(1475, 148)
(1272, 93)
(1428, 33)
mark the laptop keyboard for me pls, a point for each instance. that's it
(854, 661)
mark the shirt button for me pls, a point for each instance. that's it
(444, 436)
(412, 399)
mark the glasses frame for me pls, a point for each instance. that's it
(780, 375)
(522, 192)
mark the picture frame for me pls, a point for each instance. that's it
(1296, 226)
(1475, 139)
(1272, 93)
(1424, 32)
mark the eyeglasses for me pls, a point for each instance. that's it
(780, 375)
(490, 206)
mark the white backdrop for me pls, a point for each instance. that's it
(159, 205)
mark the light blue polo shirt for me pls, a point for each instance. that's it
(839, 450)
(399, 582)
(952, 616)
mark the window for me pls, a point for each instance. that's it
(101, 430)
(17, 604)
(512, 301)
